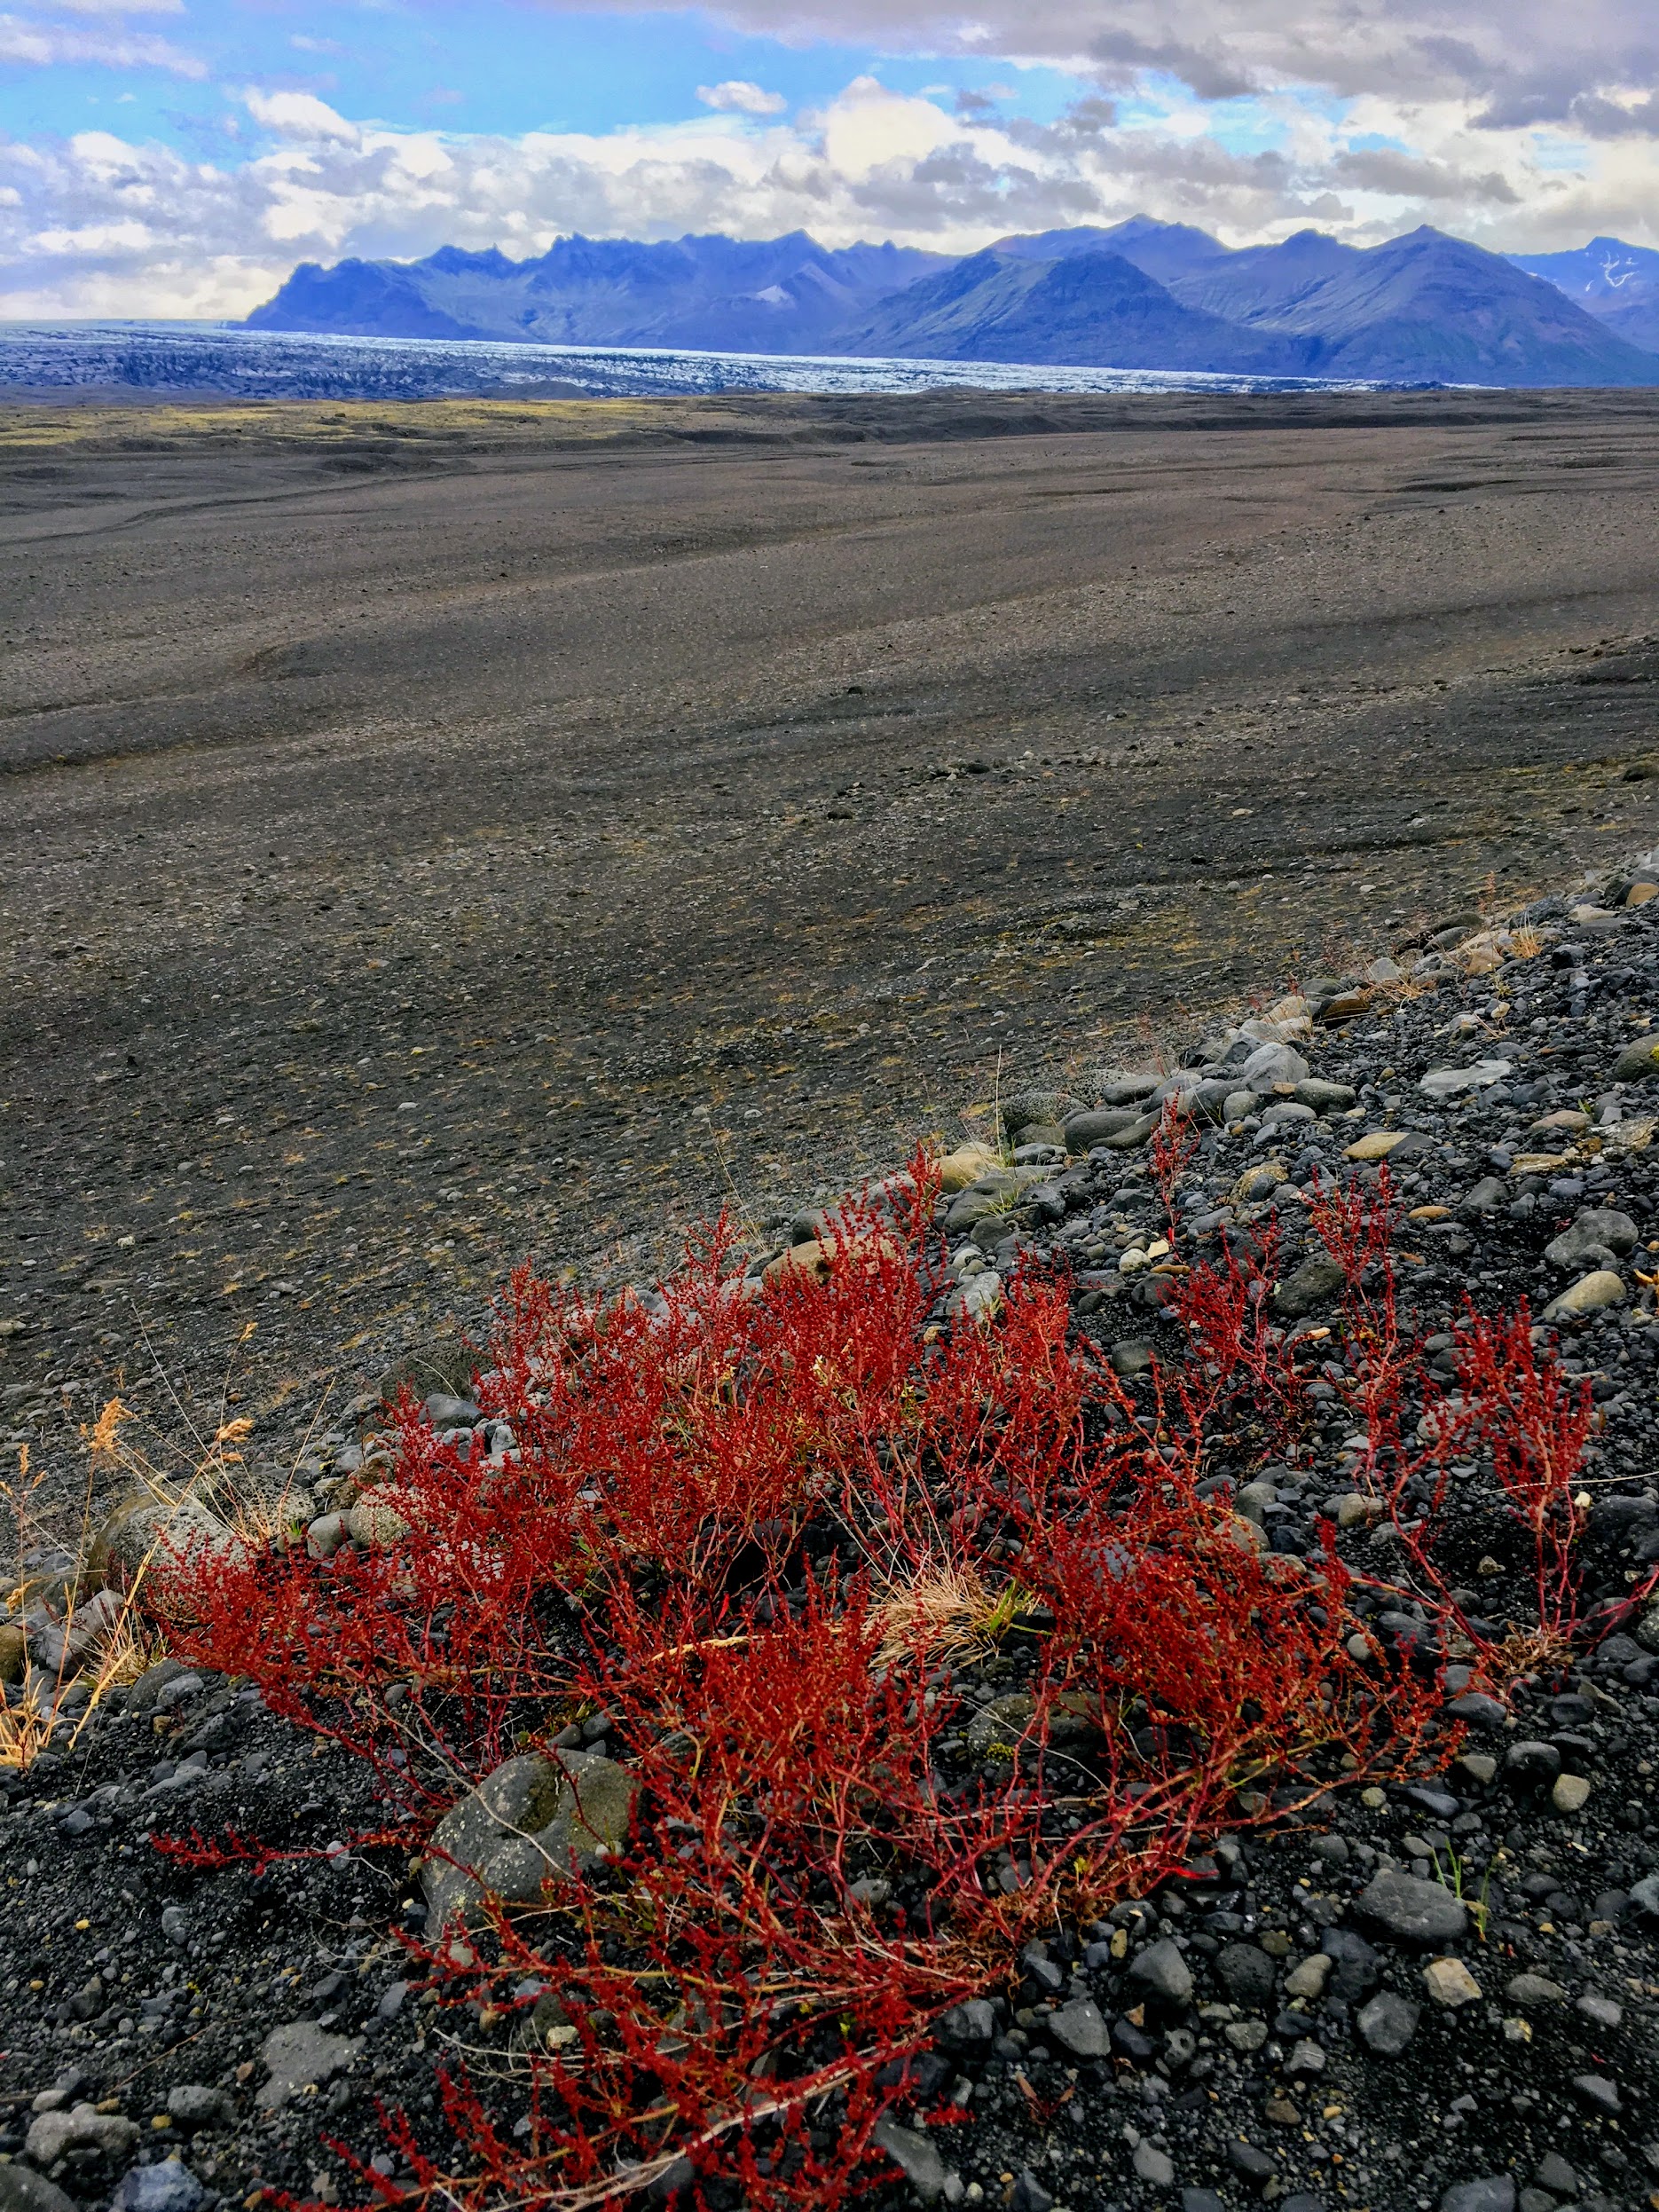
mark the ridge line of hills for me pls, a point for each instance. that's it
(1424, 308)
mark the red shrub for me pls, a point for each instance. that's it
(753, 1529)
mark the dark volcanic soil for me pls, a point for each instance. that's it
(441, 836)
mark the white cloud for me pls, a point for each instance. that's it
(117, 7)
(301, 116)
(41, 45)
(98, 225)
(738, 97)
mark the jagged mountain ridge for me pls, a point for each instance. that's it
(1421, 309)
(775, 295)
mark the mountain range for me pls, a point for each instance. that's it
(1422, 309)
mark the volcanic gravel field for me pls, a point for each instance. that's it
(440, 837)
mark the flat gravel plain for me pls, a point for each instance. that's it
(441, 836)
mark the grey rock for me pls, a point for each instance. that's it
(177, 1692)
(1591, 1293)
(1449, 1082)
(299, 2055)
(1600, 2010)
(1081, 2030)
(1532, 1764)
(1484, 1197)
(83, 2128)
(22, 2190)
(1127, 1090)
(141, 1697)
(1636, 1061)
(1413, 1911)
(1162, 1972)
(1553, 2173)
(1645, 1895)
(1084, 1129)
(1597, 1238)
(1026, 1107)
(1246, 1973)
(161, 1537)
(1272, 1064)
(195, 2105)
(1314, 1283)
(529, 1822)
(1028, 2194)
(916, 2157)
(1324, 1096)
(1597, 2094)
(1493, 2192)
(445, 1412)
(169, 2186)
(1152, 2165)
(1133, 1135)
(968, 2024)
(1529, 1989)
(1202, 2200)
(1387, 2023)
(1356, 1967)
(1476, 1710)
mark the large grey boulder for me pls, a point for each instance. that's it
(1411, 1912)
(532, 1822)
(169, 1539)
(1600, 1236)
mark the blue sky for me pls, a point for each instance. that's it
(179, 156)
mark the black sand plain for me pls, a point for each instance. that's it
(437, 837)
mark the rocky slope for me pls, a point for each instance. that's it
(1444, 1994)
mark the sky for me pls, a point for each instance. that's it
(177, 158)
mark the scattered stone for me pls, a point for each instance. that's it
(525, 1826)
(1162, 1972)
(916, 2157)
(1493, 2192)
(169, 2186)
(1527, 1989)
(1597, 2094)
(1153, 2166)
(1314, 1283)
(300, 2056)
(1376, 1145)
(195, 2105)
(1450, 1983)
(22, 2190)
(1308, 1979)
(1597, 1237)
(53, 2135)
(1387, 2023)
(1570, 1794)
(1081, 2030)
(1591, 1295)
(1409, 1910)
(1247, 1974)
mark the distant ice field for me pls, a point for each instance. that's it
(160, 357)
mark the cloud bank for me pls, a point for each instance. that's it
(1528, 130)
